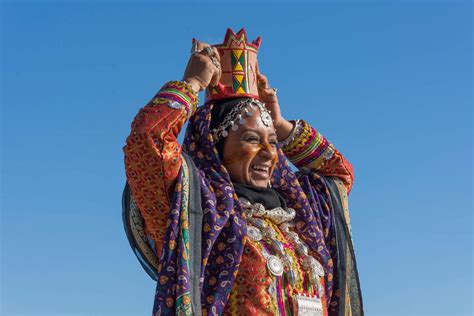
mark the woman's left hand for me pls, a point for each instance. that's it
(268, 96)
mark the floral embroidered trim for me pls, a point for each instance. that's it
(308, 148)
(179, 92)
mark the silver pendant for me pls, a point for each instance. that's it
(277, 246)
(278, 215)
(269, 232)
(259, 209)
(318, 268)
(314, 265)
(291, 277)
(307, 305)
(275, 265)
(254, 233)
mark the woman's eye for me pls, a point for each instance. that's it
(253, 139)
(274, 143)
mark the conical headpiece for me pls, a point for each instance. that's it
(239, 67)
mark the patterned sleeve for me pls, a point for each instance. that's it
(307, 148)
(153, 154)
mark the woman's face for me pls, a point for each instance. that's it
(250, 153)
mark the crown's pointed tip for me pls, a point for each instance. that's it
(257, 41)
(242, 32)
(229, 31)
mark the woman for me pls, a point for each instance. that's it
(223, 223)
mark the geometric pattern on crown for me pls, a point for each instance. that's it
(239, 65)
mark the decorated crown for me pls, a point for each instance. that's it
(239, 67)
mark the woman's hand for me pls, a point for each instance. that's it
(201, 70)
(268, 96)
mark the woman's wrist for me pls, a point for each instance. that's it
(295, 133)
(283, 129)
(180, 94)
(193, 83)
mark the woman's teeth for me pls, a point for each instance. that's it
(260, 168)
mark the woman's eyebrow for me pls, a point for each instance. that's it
(250, 130)
(256, 131)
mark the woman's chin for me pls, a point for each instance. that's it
(258, 183)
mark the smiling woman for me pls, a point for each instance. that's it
(222, 223)
(249, 153)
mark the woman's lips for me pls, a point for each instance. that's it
(261, 171)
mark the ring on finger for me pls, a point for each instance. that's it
(194, 49)
(208, 51)
(215, 62)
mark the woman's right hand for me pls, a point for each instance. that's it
(201, 71)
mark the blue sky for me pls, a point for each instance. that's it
(389, 83)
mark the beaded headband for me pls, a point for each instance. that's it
(236, 117)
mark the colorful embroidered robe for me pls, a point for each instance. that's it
(197, 275)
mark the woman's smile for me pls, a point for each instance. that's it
(250, 153)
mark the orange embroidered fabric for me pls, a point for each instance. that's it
(250, 295)
(152, 163)
(257, 292)
(153, 155)
(310, 149)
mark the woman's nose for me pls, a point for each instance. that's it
(267, 150)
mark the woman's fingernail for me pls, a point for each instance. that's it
(194, 40)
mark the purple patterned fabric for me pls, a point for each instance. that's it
(224, 228)
(173, 274)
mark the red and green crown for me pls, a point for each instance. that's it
(239, 66)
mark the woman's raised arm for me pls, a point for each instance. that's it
(152, 151)
(153, 154)
(303, 145)
(307, 148)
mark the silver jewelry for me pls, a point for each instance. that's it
(194, 48)
(275, 90)
(274, 265)
(254, 233)
(258, 229)
(277, 215)
(307, 305)
(237, 115)
(215, 62)
(297, 129)
(208, 51)
(291, 277)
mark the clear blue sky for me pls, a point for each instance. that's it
(389, 83)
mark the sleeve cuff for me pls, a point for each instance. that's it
(308, 148)
(181, 94)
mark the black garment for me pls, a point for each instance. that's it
(268, 197)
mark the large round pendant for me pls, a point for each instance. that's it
(275, 265)
(254, 233)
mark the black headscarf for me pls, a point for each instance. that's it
(219, 111)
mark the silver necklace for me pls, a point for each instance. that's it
(258, 230)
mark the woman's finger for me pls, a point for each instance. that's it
(216, 54)
(262, 81)
(201, 48)
(216, 77)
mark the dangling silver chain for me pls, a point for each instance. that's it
(236, 117)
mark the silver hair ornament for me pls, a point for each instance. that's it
(238, 115)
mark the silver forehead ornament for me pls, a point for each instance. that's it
(237, 115)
